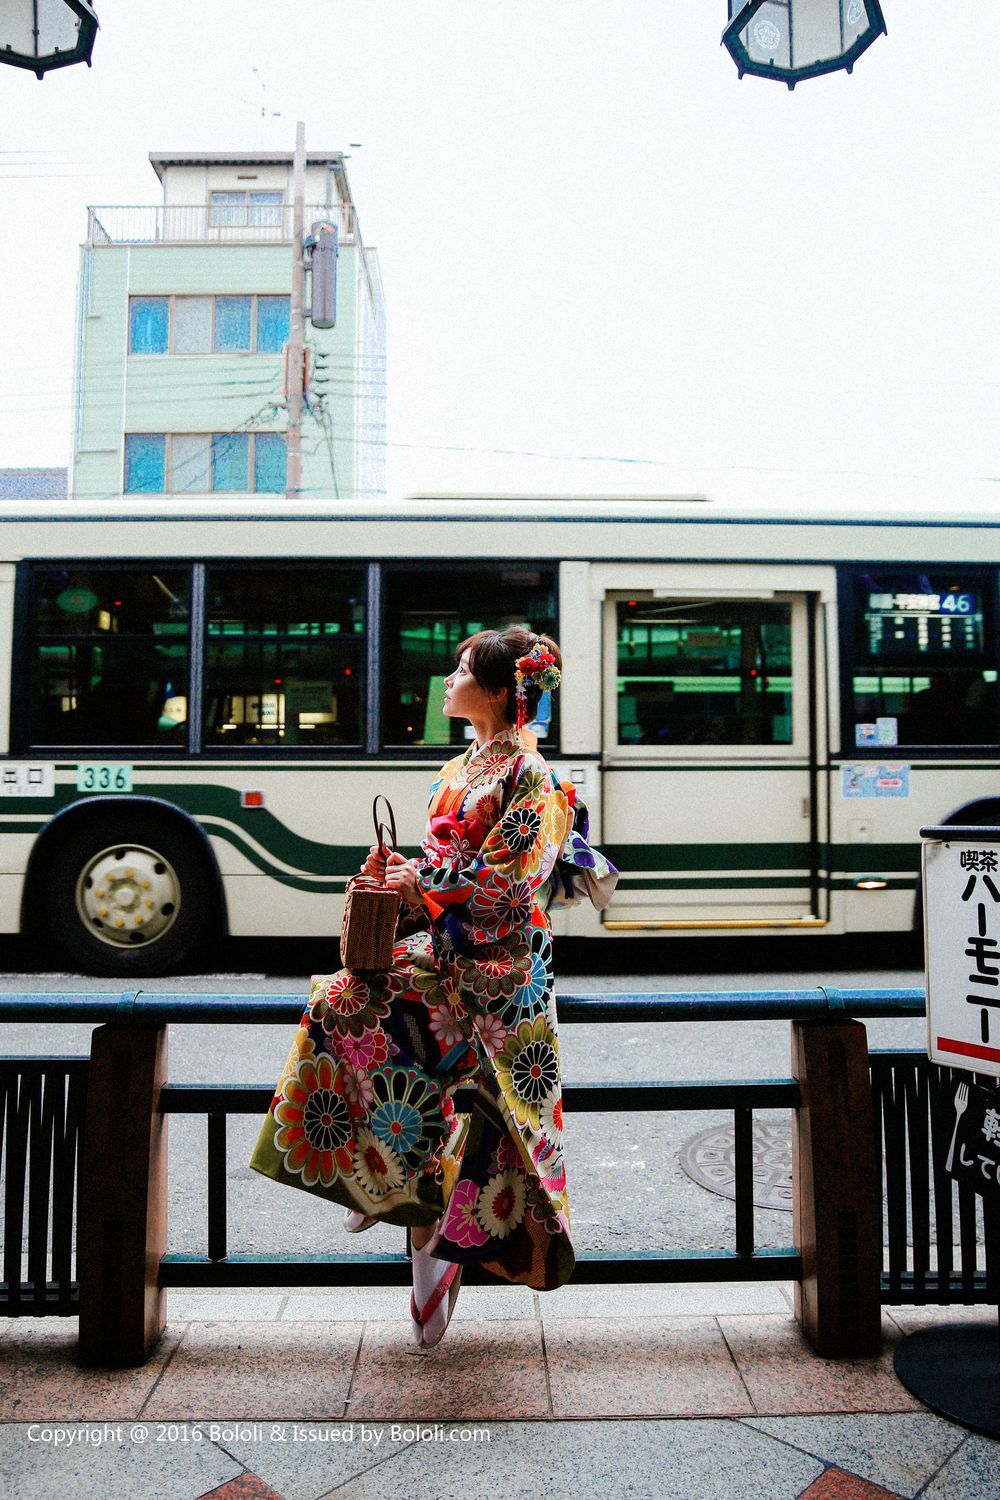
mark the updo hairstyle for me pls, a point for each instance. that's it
(492, 654)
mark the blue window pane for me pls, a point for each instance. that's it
(269, 463)
(272, 324)
(148, 324)
(231, 461)
(145, 462)
(232, 325)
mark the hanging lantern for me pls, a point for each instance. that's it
(46, 34)
(794, 39)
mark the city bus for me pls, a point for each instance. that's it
(760, 710)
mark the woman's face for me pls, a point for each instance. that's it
(465, 698)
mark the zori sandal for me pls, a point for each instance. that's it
(436, 1285)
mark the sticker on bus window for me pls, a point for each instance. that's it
(883, 732)
(891, 780)
(26, 778)
(104, 776)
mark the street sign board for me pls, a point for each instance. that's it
(961, 885)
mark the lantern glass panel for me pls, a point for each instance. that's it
(799, 38)
(58, 27)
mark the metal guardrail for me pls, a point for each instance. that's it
(136, 1006)
(43, 1097)
(42, 1102)
(924, 1206)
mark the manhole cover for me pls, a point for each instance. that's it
(707, 1158)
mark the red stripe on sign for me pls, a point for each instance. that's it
(968, 1049)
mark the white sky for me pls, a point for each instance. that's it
(598, 245)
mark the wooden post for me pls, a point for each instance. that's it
(123, 1200)
(836, 1201)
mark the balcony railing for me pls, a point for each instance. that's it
(217, 223)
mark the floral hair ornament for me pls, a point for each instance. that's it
(538, 667)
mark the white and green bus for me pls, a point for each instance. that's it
(197, 707)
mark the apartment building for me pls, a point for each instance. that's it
(183, 319)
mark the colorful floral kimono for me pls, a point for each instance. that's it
(365, 1109)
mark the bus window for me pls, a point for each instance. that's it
(429, 610)
(284, 656)
(109, 657)
(924, 667)
(704, 672)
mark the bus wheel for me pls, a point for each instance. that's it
(127, 895)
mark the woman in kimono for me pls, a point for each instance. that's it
(364, 1111)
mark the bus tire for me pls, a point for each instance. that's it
(129, 894)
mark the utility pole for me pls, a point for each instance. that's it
(295, 349)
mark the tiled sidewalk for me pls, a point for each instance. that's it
(308, 1394)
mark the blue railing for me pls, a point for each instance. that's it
(43, 1109)
(819, 1003)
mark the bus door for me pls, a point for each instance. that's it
(709, 767)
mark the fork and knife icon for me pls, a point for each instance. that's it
(961, 1105)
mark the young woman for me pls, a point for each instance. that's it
(363, 1112)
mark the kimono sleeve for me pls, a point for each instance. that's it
(484, 898)
(581, 871)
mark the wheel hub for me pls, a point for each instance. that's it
(128, 894)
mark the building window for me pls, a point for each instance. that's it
(149, 325)
(189, 463)
(193, 318)
(109, 656)
(260, 207)
(284, 653)
(209, 325)
(233, 318)
(199, 462)
(145, 462)
(270, 463)
(273, 316)
(231, 461)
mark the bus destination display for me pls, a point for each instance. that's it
(906, 624)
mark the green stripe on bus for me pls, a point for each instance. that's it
(310, 857)
(307, 855)
(750, 882)
(844, 858)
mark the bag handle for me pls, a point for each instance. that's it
(381, 832)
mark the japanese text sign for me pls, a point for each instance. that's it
(20, 778)
(961, 881)
(974, 1152)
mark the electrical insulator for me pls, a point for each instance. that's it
(323, 313)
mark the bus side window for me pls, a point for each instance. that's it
(704, 672)
(429, 611)
(284, 656)
(925, 656)
(109, 656)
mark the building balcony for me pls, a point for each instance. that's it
(211, 224)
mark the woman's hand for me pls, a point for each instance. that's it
(375, 864)
(401, 876)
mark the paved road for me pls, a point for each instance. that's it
(627, 1188)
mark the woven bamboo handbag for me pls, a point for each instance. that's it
(366, 937)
